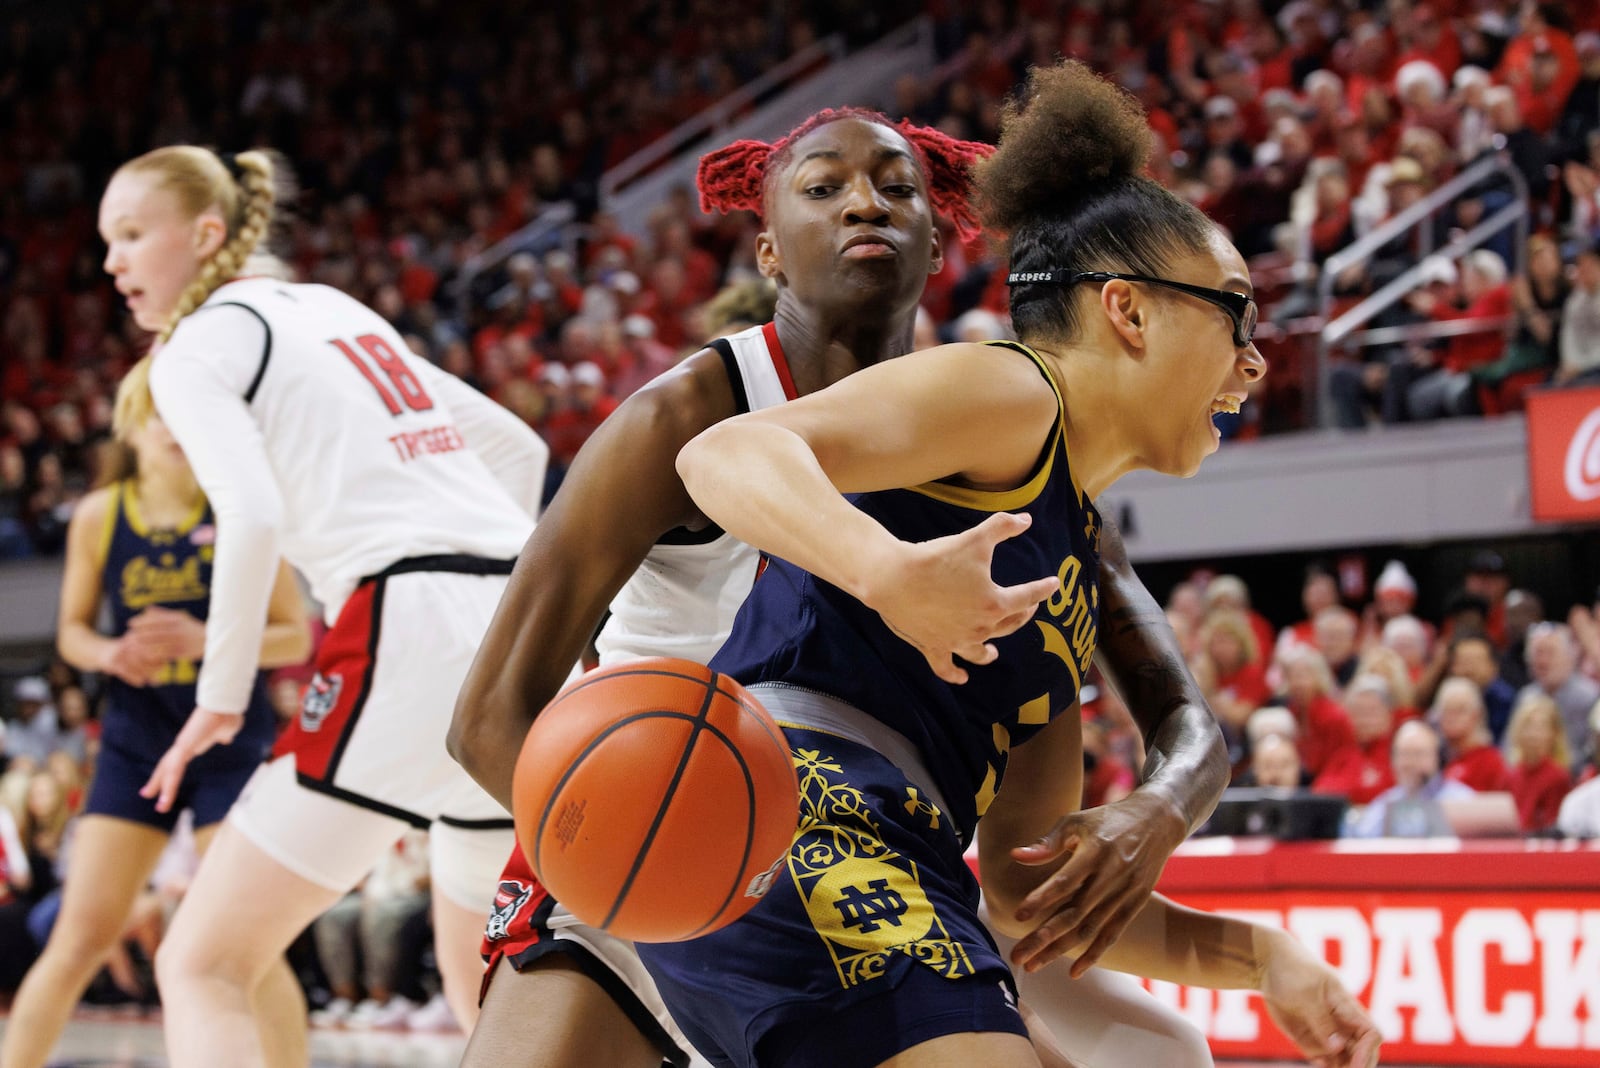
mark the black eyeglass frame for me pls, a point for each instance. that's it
(1240, 307)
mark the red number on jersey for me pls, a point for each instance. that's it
(401, 377)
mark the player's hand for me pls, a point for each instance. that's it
(944, 601)
(132, 660)
(203, 730)
(1109, 860)
(177, 635)
(1308, 1003)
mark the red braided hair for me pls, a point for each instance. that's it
(734, 178)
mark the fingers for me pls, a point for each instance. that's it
(1055, 844)
(945, 667)
(1002, 526)
(1364, 1053)
(163, 782)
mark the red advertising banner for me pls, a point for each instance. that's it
(1564, 454)
(1481, 952)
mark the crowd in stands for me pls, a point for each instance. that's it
(1390, 711)
(422, 136)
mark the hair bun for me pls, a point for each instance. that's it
(1069, 134)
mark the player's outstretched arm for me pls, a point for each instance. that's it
(1304, 996)
(619, 497)
(776, 479)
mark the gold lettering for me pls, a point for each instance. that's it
(145, 584)
(1067, 575)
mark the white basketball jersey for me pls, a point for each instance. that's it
(378, 456)
(682, 600)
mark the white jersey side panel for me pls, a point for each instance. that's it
(369, 460)
(683, 599)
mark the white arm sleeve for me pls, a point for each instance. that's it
(516, 456)
(198, 381)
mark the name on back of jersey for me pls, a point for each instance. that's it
(433, 441)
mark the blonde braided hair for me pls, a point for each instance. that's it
(202, 181)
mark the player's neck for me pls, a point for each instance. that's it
(821, 348)
(167, 499)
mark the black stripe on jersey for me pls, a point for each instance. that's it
(451, 563)
(477, 825)
(741, 403)
(374, 631)
(327, 789)
(741, 400)
(684, 536)
(266, 349)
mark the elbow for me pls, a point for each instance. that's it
(465, 732)
(695, 456)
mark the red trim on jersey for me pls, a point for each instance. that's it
(780, 362)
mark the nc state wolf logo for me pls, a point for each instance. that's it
(508, 900)
(321, 695)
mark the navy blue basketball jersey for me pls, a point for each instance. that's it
(798, 630)
(144, 567)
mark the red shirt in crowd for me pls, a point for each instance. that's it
(1481, 768)
(1248, 684)
(1467, 351)
(1359, 772)
(1324, 730)
(1538, 790)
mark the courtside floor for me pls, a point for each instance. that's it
(105, 1041)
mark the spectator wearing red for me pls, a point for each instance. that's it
(1424, 36)
(1388, 665)
(1361, 771)
(1539, 778)
(1234, 662)
(1334, 634)
(1540, 64)
(1488, 577)
(1333, 228)
(1470, 755)
(1229, 591)
(1308, 693)
(569, 428)
(1319, 590)
(1422, 92)
(1447, 389)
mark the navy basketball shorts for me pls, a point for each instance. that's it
(209, 788)
(868, 942)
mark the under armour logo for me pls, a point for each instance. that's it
(916, 805)
(870, 909)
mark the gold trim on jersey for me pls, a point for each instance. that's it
(113, 506)
(136, 521)
(1021, 496)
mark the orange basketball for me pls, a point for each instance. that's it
(655, 799)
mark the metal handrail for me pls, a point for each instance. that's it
(1363, 247)
(551, 220)
(1431, 331)
(1412, 277)
(1345, 326)
(718, 115)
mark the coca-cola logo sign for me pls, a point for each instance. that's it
(1564, 454)
(1582, 468)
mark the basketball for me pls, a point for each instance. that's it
(655, 799)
